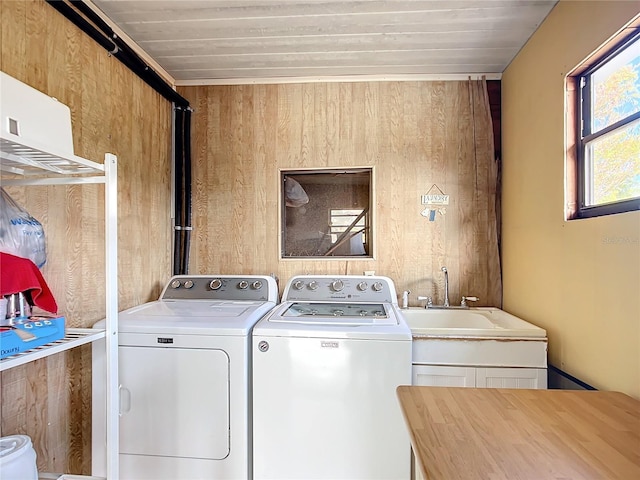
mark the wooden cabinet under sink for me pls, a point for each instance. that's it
(479, 362)
(480, 377)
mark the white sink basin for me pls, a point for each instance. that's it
(472, 322)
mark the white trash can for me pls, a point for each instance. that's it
(17, 458)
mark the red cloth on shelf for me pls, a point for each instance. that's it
(19, 274)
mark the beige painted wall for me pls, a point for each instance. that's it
(581, 279)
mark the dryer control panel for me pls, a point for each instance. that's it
(344, 288)
(221, 287)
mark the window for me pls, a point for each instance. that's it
(608, 132)
(347, 221)
(326, 213)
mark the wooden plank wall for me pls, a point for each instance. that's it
(112, 111)
(414, 134)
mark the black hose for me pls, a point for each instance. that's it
(179, 190)
(187, 191)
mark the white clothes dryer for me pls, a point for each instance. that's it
(184, 370)
(326, 365)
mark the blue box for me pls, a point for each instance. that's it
(25, 334)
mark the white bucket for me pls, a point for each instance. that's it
(17, 458)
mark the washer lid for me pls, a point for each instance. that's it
(291, 319)
(344, 314)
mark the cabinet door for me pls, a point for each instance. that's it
(443, 376)
(511, 377)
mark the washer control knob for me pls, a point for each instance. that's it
(257, 285)
(337, 285)
(215, 284)
(188, 284)
(313, 285)
(298, 284)
(175, 284)
(362, 286)
(243, 285)
(377, 286)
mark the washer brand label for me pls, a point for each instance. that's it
(165, 340)
(327, 344)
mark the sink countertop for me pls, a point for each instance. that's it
(480, 433)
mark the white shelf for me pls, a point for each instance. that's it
(36, 148)
(37, 160)
(74, 338)
(34, 164)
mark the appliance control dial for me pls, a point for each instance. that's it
(215, 284)
(377, 287)
(313, 285)
(337, 285)
(188, 284)
(175, 284)
(243, 284)
(257, 285)
(362, 286)
(298, 284)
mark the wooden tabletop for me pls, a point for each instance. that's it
(489, 433)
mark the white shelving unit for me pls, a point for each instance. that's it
(74, 337)
(33, 164)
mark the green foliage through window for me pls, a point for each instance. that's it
(609, 140)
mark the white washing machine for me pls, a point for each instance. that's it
(184, 371)
(326, 364)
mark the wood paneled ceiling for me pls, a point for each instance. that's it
(250, 41)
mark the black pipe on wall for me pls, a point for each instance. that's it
(142, 69)
(182, 172)
(104, 35)
(186, 244)
(178, 122)
(182, 234)
(84, 25)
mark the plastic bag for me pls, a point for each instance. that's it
(294, 194)
(20, 234)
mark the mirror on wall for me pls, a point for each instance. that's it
(326, 213)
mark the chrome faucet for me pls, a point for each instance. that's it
(446, 286)
(464, 301)
(446, 304)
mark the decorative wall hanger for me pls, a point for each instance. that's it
(434, 200)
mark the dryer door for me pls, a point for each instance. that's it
(174, 402)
